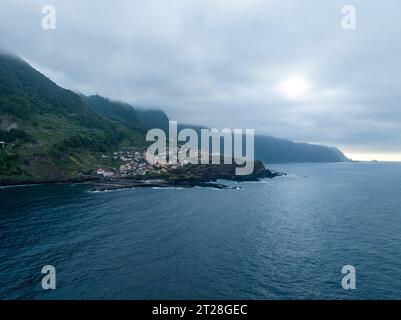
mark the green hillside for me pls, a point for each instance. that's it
(140, 119)
(51, 133)
(115, 110)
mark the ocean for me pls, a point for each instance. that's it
(281, 238)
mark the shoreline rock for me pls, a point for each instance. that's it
(188, 176)
(127, 184)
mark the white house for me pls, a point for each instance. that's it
(105, 173)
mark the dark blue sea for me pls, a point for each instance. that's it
(284, 238)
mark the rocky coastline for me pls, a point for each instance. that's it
(188, 176)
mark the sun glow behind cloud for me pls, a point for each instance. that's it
(295, 87)
(230, 63)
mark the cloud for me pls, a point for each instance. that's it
(219, 63)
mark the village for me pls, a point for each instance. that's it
(133, 164)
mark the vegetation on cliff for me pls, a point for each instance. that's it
(51, 134)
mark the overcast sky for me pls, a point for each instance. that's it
(286, 68)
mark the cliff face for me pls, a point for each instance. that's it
(7, 122)
(53, 134)
(134, 118)
(274, 150)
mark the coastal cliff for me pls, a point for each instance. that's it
(49, 134)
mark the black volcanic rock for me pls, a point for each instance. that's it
(213, 172)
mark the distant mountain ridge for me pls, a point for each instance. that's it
(274, 150)
(54, 134)
(267, 149)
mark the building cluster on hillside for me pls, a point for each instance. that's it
(136, 163)
(132, 164)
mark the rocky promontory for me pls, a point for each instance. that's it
(191, 175)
